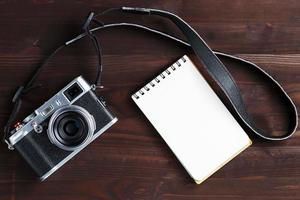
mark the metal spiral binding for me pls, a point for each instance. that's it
(159, 78)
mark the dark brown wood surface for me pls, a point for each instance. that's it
(131, 161)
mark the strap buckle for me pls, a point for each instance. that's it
(88, 21)
(18, 94)
(95, 87)
(9, 146)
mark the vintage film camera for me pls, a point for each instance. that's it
(61, 127)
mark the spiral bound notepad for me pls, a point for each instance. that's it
(191, 119)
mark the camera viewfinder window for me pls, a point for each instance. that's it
(73, 92)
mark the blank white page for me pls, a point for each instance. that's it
(191, 119)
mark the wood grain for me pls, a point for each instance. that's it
(131, 161)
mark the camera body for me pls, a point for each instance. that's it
(61, 128)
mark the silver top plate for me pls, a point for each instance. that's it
(48, 108)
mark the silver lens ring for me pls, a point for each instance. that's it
(89, 119)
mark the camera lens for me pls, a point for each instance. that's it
(71, 127)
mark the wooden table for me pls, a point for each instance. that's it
(131, 161)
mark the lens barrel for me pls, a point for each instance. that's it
(71, 127)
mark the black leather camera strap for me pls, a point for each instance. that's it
(210, 60)
(221, 75)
